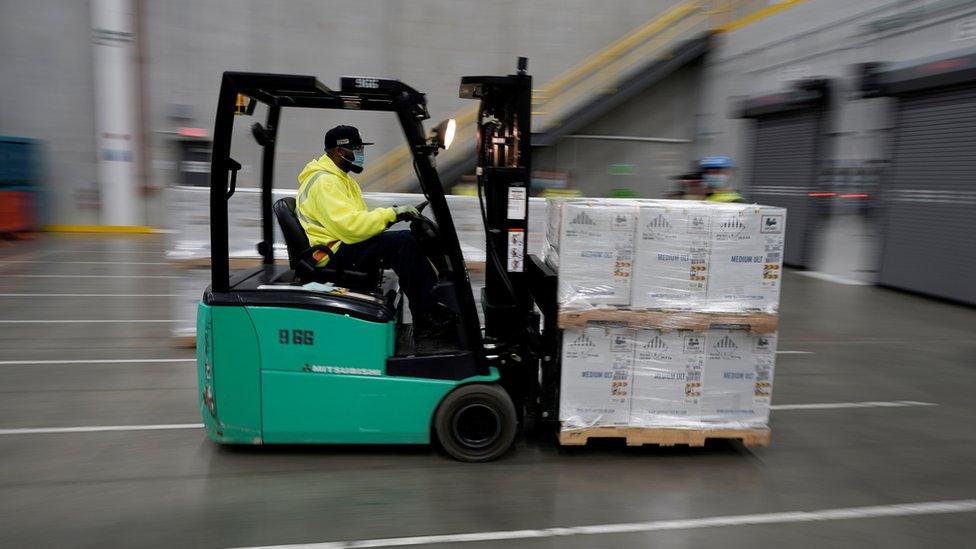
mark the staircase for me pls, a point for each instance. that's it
(592, 87)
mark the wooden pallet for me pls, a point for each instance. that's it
(639, 436)
(659, 319)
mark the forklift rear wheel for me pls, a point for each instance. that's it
(476, 423)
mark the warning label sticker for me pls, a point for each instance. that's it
(516, 202)
(516, 250)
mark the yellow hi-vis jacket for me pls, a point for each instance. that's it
(725, 196)
(331, 208)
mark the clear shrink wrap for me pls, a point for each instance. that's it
(615, 376)
(694, 345)
(671, 265)
(666, 254)
(745, 266)
(594, 254)
(189, 241)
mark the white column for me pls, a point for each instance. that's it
(113, 51)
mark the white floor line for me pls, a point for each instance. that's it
(93, 262)
(84, 276)
(99, 429)
(96, 361)
(821, 515)
(99, 321)
(89, 295)
(834, 278)
(160, 252)
(794, 352)
(22, 257)
(838, 405)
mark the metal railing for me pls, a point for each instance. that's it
(597, 74)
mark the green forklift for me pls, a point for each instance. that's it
(297, 354)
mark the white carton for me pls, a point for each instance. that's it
(596, 252)
(671, 256)
(746, 259)
(554, 216)
(737, 381)
(597, 371)
(667, 378)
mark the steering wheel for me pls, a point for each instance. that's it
(428, 237)
(422, 227)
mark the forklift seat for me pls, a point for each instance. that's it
(301, 254)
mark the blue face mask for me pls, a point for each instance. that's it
(358, 160)
(715, 180)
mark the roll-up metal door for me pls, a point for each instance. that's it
(930, 195)
(783, 171)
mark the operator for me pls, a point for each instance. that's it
(717, 176)
(331, 209)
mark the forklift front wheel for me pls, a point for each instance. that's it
(476, 423)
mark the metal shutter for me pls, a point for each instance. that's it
(785, 160)
(930, 196)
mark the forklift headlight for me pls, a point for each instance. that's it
(443, 134)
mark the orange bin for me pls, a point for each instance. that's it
(16, 211)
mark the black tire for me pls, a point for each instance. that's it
(476, 423)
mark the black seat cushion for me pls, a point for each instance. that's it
(295, 238)
(300, 253)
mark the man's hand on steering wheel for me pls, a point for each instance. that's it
(410, 213)
(406, 213)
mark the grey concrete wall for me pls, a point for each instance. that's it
(823, 38)
(47, 68)
(665, 110)
(46, 93)
(427, 44)
(829, 38)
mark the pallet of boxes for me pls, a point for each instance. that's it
(669, 311)
(189, 243)
(188, 251)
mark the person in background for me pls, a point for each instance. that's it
(689, 186)
(717, 177)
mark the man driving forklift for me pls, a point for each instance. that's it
(331, 209)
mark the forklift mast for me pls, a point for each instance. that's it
(503, 172)
(516, 283)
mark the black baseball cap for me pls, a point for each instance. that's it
(344, 136)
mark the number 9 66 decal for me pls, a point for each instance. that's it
(296, 337)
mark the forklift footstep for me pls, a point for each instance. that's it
(408, 344)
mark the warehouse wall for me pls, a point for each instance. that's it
(427, 44)
(825, 38)
(46, 93)
(829, 38)
(47, 67)
(664, 110)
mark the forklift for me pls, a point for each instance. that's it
(298, 354)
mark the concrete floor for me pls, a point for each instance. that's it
(175, 488)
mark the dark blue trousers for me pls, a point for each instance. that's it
(397, 250)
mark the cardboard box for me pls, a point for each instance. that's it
(554, 216)
(667, 385)
(671, 256)
(737, 380)
(596, 254)
(597, 372)
(746, 258)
